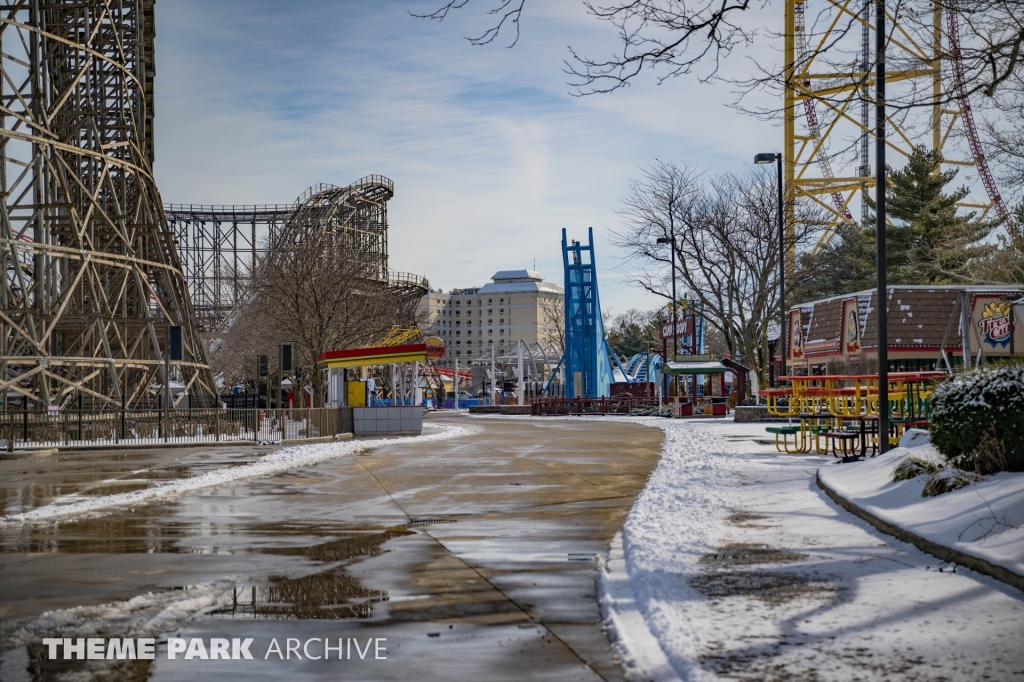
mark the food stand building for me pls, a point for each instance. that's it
(925, 329)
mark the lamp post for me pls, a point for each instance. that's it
(671, 241)
(777, 158)
(882, 298)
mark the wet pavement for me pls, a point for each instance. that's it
(472, 557)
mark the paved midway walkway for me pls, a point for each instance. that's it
(496, 581)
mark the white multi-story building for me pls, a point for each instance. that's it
(517, 304)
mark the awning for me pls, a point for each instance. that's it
(694, 368)
(378, 355)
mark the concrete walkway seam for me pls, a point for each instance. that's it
(943, 552)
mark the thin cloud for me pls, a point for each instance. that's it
(490, 155)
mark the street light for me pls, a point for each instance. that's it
(671, 241)
(777, 158)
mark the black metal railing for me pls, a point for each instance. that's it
(112, 427)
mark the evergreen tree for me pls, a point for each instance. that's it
(930, 242)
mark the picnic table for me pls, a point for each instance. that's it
(826, 406)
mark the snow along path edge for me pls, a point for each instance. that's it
(943, 552)
(282, 460)
(639, 652)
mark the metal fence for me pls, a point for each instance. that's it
(614, 405)
(112, 427)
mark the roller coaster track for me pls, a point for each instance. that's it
(811, 115)
(966, 113)
(819, 84)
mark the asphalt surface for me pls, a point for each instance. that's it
(473, 558)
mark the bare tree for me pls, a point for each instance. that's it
(726, 244)
(673, 37)
(313, 290)
(552, 314)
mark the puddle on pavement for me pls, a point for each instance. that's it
(329, 594)
(116, 487)
(42, 669)
(770, 587)
(743, 554)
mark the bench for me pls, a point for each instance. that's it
(846, 439)
(785, 432)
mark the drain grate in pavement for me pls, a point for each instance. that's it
(429, 522)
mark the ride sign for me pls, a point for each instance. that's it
(684, 328)
(435, 348)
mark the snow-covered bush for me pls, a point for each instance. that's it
(976, 412)
(946, 480)
(912, 467)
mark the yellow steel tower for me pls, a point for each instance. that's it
(828, 101)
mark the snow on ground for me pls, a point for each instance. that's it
(985, 519)
(281, 460)
(743, 569)
(147, 615)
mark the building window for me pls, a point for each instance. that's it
(490, 331)
(501, 331)
(501, 311)
(501, 300)
(501, 321)
(490, 321)
(489, 301)
(469, 333)
(457, 333)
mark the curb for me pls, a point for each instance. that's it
(29, 454)
(943, 552)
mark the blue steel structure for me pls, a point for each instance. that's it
(586, 349)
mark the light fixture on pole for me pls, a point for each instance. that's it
(777, 158)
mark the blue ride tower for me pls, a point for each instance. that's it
(586, 350)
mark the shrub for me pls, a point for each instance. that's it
(947, 480)
(977, 419)
(912, 467)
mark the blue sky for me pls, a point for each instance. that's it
(489, 153)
